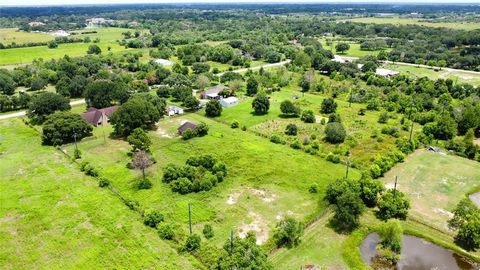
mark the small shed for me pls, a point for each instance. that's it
(212, 92)
(185, 126)
(173, 110)
(164, 62)
(229, 102)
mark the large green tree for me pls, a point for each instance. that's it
(104, 93)
(44, 104)
(243, 254)
(261, 104)
(64, 127)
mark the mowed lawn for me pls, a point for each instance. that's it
(354, 50)
(53, 217)
(434, 183)
(13, 35)
(265, 181)
(407, 21)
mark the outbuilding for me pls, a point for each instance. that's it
(229, 102)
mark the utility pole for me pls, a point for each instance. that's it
(411, 131)
(231, 242)
(348, 166)
(395, 187)
(75, 139)
(190, 218)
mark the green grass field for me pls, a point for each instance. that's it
(434, 183)
(354, 50)
(417, 72)
(53, 217)
(406, 21)
(10, 35)
(265, 182)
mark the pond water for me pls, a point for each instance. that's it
(417, 254)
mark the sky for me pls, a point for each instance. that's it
(90, 2)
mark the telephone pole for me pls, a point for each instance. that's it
(190, 218)
(348, 166)
(395, 187)
(75, 139)
(231, 242)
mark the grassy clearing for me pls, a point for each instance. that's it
(265, 182)
(104, 34)
(27, 55)
(432, 74)
(434, 183)
(354, 50)
(406, 21)
(53, 217)
(320, 246)
(13, 35)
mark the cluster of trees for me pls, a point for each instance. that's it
(200, 173)
(350, 197)
(466, 222)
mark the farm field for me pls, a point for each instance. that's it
(53, 217)
(10, 35)
(406, 21)
(354, 50)
(418, 72)
(259, 187)
(435, 183)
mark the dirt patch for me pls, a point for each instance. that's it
(475, 197)
(443, 212)
(163, 133)
(477, 142)
(263, 194)
(258, 226)
(232, 198)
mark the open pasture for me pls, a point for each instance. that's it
(53, 217)
(13, 35)
(265, 181)
(435, 183)
(415, 21)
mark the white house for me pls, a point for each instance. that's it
(229, 102)
(61, 33)
(386, 72)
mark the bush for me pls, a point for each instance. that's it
(152, 217)
(144, 183)
(261, 104)
(235, 124)
(392, 204)
(392, 131)
(335, 133)
(308, 116)
(288, 108)
(77, 154)
(383, 118)
(64, 127)
(313, 188)
(291, 129)
(369, 191)
(213, 108)
(288, 232)
(192, 243)
(328, 106)
(208, 231)
(166, 231)
(103, 182)
(132, 204)
(333, 157)
(296, 144)
(276, 139)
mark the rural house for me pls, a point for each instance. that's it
(185, 126)
(97, 117)
(212, 92)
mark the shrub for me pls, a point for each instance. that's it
(369, 191)
(192, 243)
(313, 188)
(288, 232)
(132, 204)
(77, 154)
(393, 204)
(208, 231)
(152, 217)
(144, 183)
(296, 144)
(235, 124)
(288, 108)
(308, 116)
(103, 182)
(213, 108)
(392, 131)
(261, 104)
(333, 157)
(166, 231)
(335, 133)
(383, 118)
(362, 111)
(291, 129)
(276, 139)
(328, 106)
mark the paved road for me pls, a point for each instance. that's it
(258, 67)
(22, 113)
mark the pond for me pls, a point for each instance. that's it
(417, 254)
